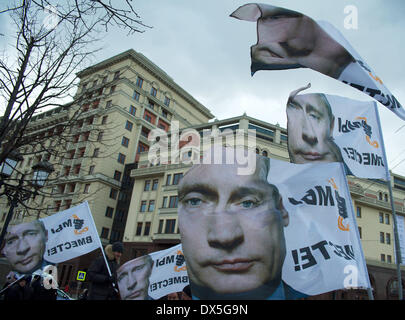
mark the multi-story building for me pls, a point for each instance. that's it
(119, 101)
(152, 222)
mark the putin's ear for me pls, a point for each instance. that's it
(284, 214)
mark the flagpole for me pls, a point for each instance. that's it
(356, 230)
(99, 241)
(396, 238)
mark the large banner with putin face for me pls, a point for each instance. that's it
(275, 232)
(153, 276)
(327, 128)
(288, 39)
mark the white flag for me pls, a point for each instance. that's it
(71, 233)
(323, 247)
(358, 135)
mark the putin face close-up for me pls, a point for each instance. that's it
(231, 230)
(133, 278)
(310, 128)
(25, 246)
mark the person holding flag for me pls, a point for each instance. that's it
(102, 277)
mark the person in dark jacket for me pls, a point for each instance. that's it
(103, 285)
(21, 290)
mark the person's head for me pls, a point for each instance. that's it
(310, 125)
(231, 227)
(25, 245)
(117, 249)
(173, 296)
(133, 278)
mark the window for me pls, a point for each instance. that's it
(61, 188)
(113, 193)
(382, 257)
(381, 217)
(382, 239)
(108, 104)
(104, 79)
(170, 225)
(155, 184)
(121, 158)
(147, 229)
(160, 229)
(104, 120)
(136, 95)
(100, 136)
(104, 233)
(168, 179)
(148, 118)
(388, 238)
(389, 258)
(167, 101)
(139, 229)
(173, 202)
(96, 152)
(66, 171)
(164, 114)
(71, 187)
(57, 205)
(112, 89)
(116, 75)
(265, 153)
(86, 188)
(109, 212)
(151, 205)
(129, 125)
(117, 175)
(86, 136)
(71, 154)
(90, 120)
(153, 91)
(147, 185)
(387, 218)
(176, 178)
(358, 212)
(81, 152)
(360, 235)
(125, 142)
(91, 169)
(164, 202)
(143, 206)
(132, 110)
(380, 196)
(139, 82)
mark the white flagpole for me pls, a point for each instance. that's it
(98, 239)
(355, 226)
(394, 216)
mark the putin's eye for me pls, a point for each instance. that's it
(247, 204)
(193, 202)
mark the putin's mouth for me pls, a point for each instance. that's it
(26, 261)
(234, 265)
(311, 156)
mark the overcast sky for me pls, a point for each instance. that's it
(208, 54)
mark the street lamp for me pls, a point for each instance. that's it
(8, 165)
(42, 170)
(18, 193)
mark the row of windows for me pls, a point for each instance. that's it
(153, 92)
(382, 217)
(167, 202)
